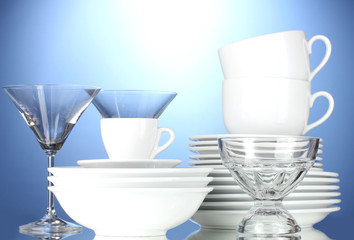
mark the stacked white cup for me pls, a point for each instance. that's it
(267, 86)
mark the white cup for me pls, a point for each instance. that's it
(133, 138)
(283, 55)
(275, 106)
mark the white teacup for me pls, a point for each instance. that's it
(275, 106)
(283, 55)
(133, 138)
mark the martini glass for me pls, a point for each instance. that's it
(51, 111)
(132, 103)
(268, 169)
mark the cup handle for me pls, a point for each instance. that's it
(327, 54)
(327, 114)
(157, 148)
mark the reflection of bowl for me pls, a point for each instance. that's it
(212, 234)
(131, 182)
(130, 211)
(225, 219)
(132, 103)
(131, 163)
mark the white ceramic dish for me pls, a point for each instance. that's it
(214, 137)
(229, 189)
(291, 196)
(246, 205)
(306, 218)
(311, 173)
(219, 162)
(217, 156)
(305, 181)
(131, 163)
(215, 150)
(135, 172)
(137, 182)
(215, 144)
(136, 211)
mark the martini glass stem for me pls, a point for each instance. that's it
(50, 201)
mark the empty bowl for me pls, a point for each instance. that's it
(130, 211)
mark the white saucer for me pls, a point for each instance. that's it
(306, 218)
(131, 163)
(291, 196)
(130, 172)
(305, 181)
(246, 205)
(229, 189)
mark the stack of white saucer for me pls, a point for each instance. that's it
(133, 198)
(226, 205)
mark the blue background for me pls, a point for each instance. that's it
(158, 45)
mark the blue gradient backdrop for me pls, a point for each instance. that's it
(157, 45)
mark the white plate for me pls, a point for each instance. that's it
(291, 196)
(229, 189)
(130, 172)
(305, 181)
(226, 173)
(131, 163)
(218, 161)
(131, 182)
(214, 137)
(217, 156)
(215, 144)
(246, 205)
(230, 219)
(215, 150)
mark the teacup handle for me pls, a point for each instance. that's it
(157, 148)
(327, 54)
(327, 114)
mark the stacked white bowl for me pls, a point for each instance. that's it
(139, 198)
(226, 205)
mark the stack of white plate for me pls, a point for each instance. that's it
(225, 206)
(121, 199)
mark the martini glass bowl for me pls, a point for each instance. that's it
(132, 103)
(268, 169)
(51, 111)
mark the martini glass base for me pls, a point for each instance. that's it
(268, 220)
(50, 228)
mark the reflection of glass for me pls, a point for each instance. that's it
(132, 103)
(268, 169)
(51, 111)
(220, 234)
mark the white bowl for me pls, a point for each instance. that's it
(130, 211)
(132, 182)
(132, 163)
(289, 205)
(129, 172)
(306, 218)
